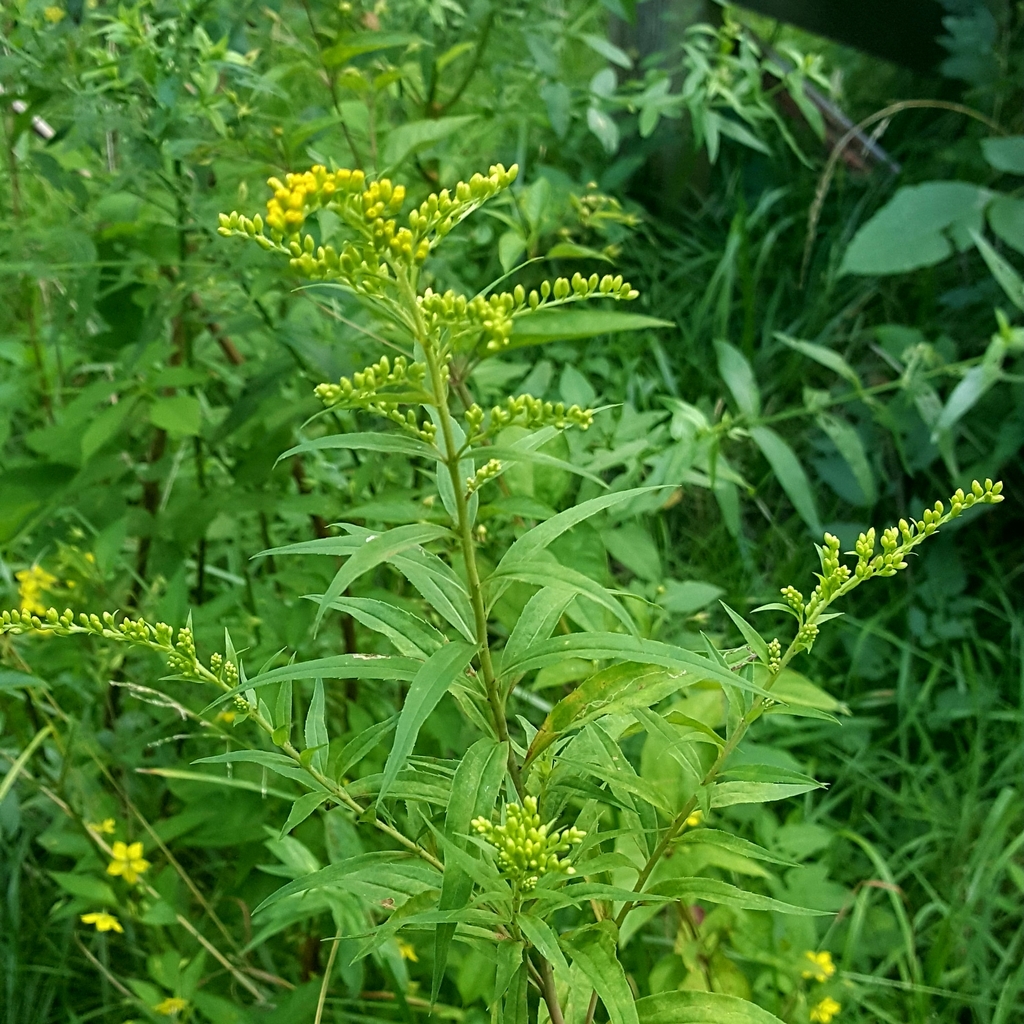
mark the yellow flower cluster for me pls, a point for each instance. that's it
(822, 968)
(127, 861)
(300, 194)
(32, 584)
(171, 1006)
(103, 922)
(823, 1012)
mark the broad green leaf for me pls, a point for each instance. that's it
(474, 791)
(338, 666)
(739, 378)
(613, 691)
(316, 727)
(1006, 219)
(390, 444)
(684, 597)
(825, 356)
(1008, 278)
(711, 890)
(681, 1007)
(593, 951)
(355, 44)
(605, 646)
(1005, 154)
(411, 136)
(565, 325)
(734, 844)
(86, 887)
(790, 474)
(509, 958)
(427, 688)
(608, 50)
(754, 639)
(537, 539)
(850, 446)
(913, 229)
(179, 415)
(375, 550)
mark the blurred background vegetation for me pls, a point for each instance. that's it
(841, 347)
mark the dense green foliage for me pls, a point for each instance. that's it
(504, 441)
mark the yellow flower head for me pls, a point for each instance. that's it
(171, 1006)
(408, 951)
(53, 14)
(127, 861)
(31, 585)
(103, 921)
(106, 826)
(821, 968)
(823, 1012)
(694, 819)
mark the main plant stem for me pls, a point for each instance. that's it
(468, 544)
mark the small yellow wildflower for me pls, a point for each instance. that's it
(127, 861)
(171, 1006)
(823, 1012)
(53, 14)
(106, 826)
(31, 585)
(408, 951)
(694, 819)
(822, 967)
(227, 717)
(103, 921)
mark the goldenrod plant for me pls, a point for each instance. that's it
(542, 849)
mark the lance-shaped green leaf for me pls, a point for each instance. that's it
(474, 791)
(338, 666)
(542, 936)
(592, 950)
(790, 474)
(616, 690)
(536, 540)
(389, 444)
(411, 636)
(760, 783)
(711, 890)
(381, 875)
(608, 646)
(701, 1008)
(734, 844)
(277, 763)
(755, 641)
(374, 550)
(851, 447)
(545, 325)
(825, 356)
(316, 727)
(739, 378)
(302, 809)
(544, 573)
(439, 587)
(428, 686)
(537, 620)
